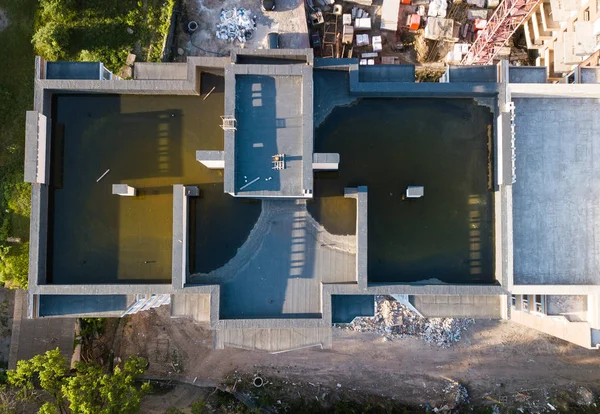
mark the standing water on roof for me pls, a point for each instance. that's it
(148, 143)
(390, 144)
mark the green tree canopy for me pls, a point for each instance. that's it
(88, 389)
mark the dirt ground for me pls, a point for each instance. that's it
(288, 19)
(4, 22)
(499, 362)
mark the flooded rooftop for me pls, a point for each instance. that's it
(390, 144)
(148, 143)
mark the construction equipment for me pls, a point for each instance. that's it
(278, 161)
(507, 18)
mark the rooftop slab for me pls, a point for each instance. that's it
(272, 107)
(555, 198)
(269, 122)
(255, 285)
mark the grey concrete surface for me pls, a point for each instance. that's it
(572, 307)
(32, 337)
(555, 210)
(290, 286)
(527, 74)
(589, 75)
(163, 70)
(269, 122)
(179, 263)
(471, 74)
(195, 307)
(458, 306)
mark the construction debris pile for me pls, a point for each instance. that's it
(236, 24)
(393, 320)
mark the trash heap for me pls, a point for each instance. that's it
(236, 24)
(393, 320)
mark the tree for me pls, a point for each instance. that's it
(91, 391)
(51, 40)
(48, 372)
(88, 389)
(14, 265)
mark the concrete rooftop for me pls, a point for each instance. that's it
(269, 122)
(556, 197)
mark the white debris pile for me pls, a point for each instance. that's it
(394, 320)
(236, 24)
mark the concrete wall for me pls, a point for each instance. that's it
(180, 237)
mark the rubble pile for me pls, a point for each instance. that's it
(236, 24)
(394, 320)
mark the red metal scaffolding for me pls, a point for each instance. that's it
(507, 18)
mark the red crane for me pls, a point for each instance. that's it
(507, 18)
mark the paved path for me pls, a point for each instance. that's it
(31, 337)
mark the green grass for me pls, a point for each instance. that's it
(16, 97)
(102, 30)
(83, 30)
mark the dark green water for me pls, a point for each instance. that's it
(388, 144)
(148, 142)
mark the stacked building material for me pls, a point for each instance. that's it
(389, 15)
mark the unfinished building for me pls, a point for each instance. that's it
(566, 36)
(248, 193)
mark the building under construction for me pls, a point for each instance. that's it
(205, 186)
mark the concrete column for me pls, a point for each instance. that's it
(325, 161)
(123, 190)
(215, 160)
(361, 196)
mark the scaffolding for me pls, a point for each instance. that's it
(507, 18)
(331, 48)
(228, 123)
(278, 161)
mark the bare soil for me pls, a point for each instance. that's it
(4, 22)
(498, 361)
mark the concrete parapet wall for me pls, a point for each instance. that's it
(180, 237)
(362, 231)
(36, 148)
(555, 289)
(138, 87)
(38, 235)
(419, 90)
(458, 306)
(162, 71)
(325, 161)
(214, 160)
(294, 54)
(578, 333)
(472, 74)
(554, 90)
(527, 74)
(122, 289)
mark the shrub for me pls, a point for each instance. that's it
(51, 41)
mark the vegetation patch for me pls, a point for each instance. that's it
(46, 381)
(16, 97)
(102, 30)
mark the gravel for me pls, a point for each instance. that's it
(393, 320)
